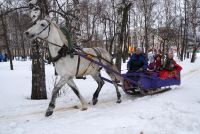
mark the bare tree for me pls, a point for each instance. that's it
(5, 35)
(38, 67)
(194, 22)
(185, 32)
(122, 20)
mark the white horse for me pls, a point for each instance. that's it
(68, 67)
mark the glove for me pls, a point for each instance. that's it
(140, 70)
(172, 66)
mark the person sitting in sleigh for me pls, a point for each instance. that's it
(138, 61)
(156, 63)
(170, 68)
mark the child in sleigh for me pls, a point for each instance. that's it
(170, 68)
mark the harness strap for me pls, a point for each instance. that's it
(98, 53)
(78, 65)
(99, 56)
(61, 53)
(49, 42)
(87, 68)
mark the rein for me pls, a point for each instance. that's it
(49, 42)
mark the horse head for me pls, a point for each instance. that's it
(40, 29)
(46, 29)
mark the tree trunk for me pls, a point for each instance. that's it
(179, 39)
(194, 26)
(146, 35)
(38, 66)
(112, 36)
(185, 33)
(6, 40)
(105, 32)
(194, 55)
(22, 42)
(122, 12)
(38, 74)
(126, 40)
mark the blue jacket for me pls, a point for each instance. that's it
(137, 61)
(1, 56)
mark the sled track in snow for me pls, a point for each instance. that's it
(68, 109)
(190, 74)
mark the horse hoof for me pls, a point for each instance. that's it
(119, 101)
(48, 113)
(84, 108)
(75, 107)
(94, 101)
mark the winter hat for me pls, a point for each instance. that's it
(139, 48)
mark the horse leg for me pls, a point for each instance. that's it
(73, 86)
(114, 79)
(100, 83)
(58, 86)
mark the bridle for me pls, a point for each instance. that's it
(64, 50)
(48, 26)
(45, 39)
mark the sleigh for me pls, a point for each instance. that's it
(147, 83)
(143, 83)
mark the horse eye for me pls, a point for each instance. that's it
(42, 25)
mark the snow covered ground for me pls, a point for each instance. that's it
(173, 112)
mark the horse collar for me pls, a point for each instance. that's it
(63, 53)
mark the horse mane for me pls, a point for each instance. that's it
(62, 36)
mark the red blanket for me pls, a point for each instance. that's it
(164, 74)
